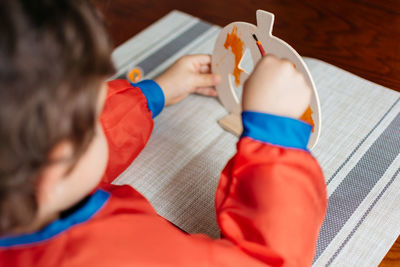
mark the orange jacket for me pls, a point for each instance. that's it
(270, 201)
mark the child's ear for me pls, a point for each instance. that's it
(51, 181)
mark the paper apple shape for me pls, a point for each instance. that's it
(227, 60)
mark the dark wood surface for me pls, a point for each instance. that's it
(360, 36)
(392, 258)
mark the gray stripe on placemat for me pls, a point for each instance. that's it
(166, 34)
(359, 182)
(362, 141)
(163, 53)
(362, 218)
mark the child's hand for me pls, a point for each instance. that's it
(276, 87)
(189, 74)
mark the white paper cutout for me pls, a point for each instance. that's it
(223, 62)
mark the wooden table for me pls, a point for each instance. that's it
(360, 36)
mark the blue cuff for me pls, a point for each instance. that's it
(276, 130)
(154, 95)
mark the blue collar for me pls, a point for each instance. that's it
(87, 210)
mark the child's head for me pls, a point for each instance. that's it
(54, 56)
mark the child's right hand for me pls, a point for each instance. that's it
(276, 87)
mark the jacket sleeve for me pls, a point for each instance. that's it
(127, 120)
(271, 199)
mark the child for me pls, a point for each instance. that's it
(60, 122)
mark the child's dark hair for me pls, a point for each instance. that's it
(53, 57)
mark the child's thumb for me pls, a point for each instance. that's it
(207, 80)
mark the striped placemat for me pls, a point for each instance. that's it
(359, 148)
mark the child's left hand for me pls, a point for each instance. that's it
(189, 74)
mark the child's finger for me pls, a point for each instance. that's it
(201, 59)
(205, 68)
(207, 91)
(207, 80)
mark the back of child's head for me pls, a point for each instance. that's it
(54, 54)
